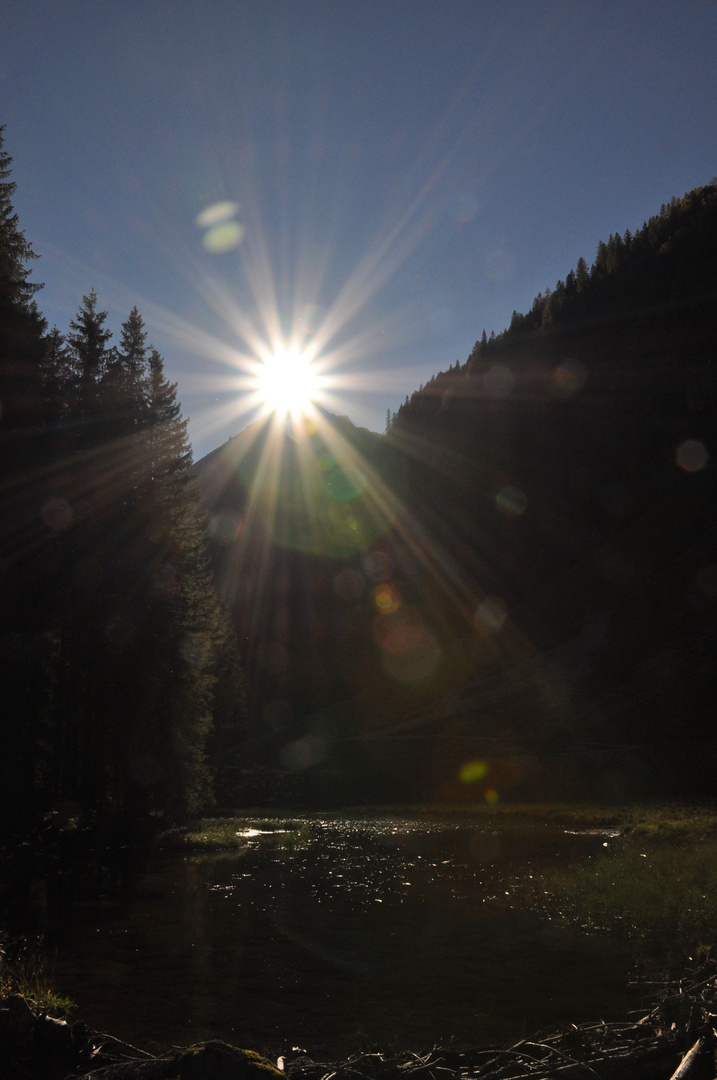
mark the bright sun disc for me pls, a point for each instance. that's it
(288, 383)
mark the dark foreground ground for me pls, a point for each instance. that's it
(675, 1040)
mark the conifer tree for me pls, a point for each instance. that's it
(89, 340)
(123, 400)
(56, 358)
(125, 375)
(599, 267)
(190, 633)
(170, 454)
(131, 354)
(90, 354)
(24, 457)
(21, 325)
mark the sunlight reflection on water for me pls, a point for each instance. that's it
(250, 834)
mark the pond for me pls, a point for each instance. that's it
(331, 934)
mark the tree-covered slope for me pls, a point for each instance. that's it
(568, 467)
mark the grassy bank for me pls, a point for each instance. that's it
(667, 822)
(234, 833)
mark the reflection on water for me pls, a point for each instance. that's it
(405, 933)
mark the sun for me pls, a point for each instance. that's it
(288, 382)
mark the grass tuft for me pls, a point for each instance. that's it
(23, 971)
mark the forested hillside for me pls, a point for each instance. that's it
(537, 594)
(120, 675)
(567, 467)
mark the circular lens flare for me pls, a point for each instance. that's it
(288, 382)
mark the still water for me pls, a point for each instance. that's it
(336, 934)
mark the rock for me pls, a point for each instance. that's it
(219, 1061)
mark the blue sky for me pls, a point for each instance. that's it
(400, 174)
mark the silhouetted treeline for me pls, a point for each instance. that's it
(569, 468)
(121, 684)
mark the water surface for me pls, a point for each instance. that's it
(341, 933)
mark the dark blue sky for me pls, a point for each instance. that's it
(404, 173)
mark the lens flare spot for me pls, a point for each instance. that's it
(499, 265)
(386, 599)
(499, 381)
(402, 633)
(345, 483)
(463, 207)
(303, 753)
(325, 460)
(223, 237)
(491, 615)
(491, 796)
(473, 771)
(377, 565)
(692, 455)
(569, 377)
(216, 214)
(410, 651)
(224, 527)
(415, 664)
(196, 649)
(511, 501)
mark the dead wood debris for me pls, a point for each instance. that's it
(675, 1040)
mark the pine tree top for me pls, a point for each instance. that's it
(15, 249)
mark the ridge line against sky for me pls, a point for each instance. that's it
(395, 177)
